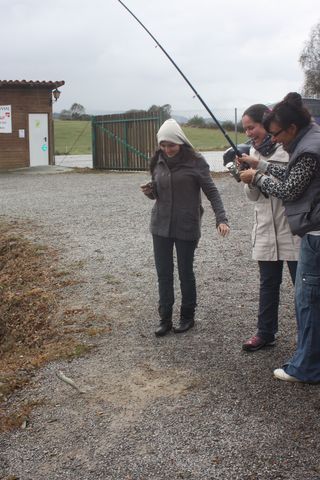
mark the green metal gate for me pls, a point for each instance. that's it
(124, 141)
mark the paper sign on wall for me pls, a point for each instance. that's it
(5, 119)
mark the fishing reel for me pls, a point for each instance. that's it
(229, 160)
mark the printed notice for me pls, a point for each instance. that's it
(5, 119)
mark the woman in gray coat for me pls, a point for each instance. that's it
(178, 176)
(272, 240)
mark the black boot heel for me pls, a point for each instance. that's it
(186, 320)
(163, 329)
(165, 324)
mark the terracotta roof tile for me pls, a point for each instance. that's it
(31, 83)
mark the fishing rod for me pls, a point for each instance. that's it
(234, 147)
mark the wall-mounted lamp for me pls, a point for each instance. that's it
(56, 94)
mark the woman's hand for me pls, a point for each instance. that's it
(147, 188)
(251, 161)
(247, 176)
(223, 229)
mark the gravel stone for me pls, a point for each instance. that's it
(191, 406)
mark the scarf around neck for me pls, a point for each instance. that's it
(267, 147)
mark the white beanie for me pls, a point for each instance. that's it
(170, 131)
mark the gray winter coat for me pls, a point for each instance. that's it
(177, 211)
(271, 235)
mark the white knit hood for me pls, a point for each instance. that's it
(170, 131)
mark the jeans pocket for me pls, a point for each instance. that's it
(311, 283)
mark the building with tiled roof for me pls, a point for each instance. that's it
(26, 124)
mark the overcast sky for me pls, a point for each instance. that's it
(234, 52)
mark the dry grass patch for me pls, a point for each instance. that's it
(32, 326)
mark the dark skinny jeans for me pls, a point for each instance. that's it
(163, 255)
(270, 281)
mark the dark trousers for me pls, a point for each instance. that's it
(163, 255)
(270, 281)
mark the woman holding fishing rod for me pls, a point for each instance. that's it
(298, 186)
(272, 240)
(178, 175)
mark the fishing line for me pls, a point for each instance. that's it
(238, 153)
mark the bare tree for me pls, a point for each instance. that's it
(310, 62)
(77, 111)
(164, 109)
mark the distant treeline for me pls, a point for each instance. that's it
(200, 122)
(77, 112)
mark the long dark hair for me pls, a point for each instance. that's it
(186, 151)
(257, 112)
(287, 112)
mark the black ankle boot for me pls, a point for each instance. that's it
(163, 328)
(186, 320)
(165, 324)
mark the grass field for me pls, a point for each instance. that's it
(74, 138)
(208, 139)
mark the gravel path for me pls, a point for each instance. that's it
(192, 406)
